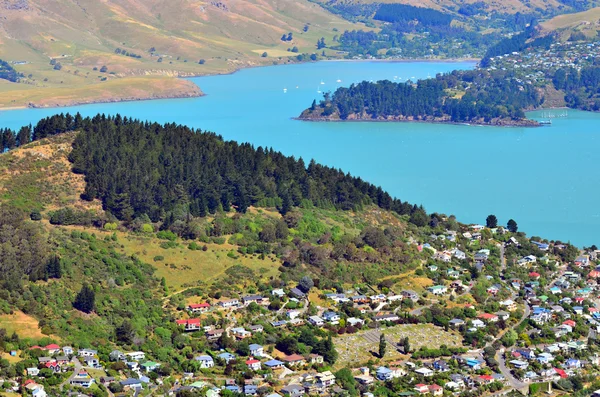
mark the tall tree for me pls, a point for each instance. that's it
(512, 226)
(491, 221)
(382, 345)
(85, 300)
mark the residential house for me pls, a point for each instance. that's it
(412, 295)
(240, 333)
(456, 322)
(331, 317)
(421, 388)
(316, 321)
(116, 355)
(198, 307)
(509, 305)
(519, 364)
(87, 352)
(294, 360)
(315, 358)
(278, 292)
(502, 315)
(229, 303)
(386, 317)
(256, 328)
(355, 322)
(488, 317)
(149, 366)
(250, 390)
(190, 325)
(68, 350)
(227, 357)
(545, 358)
(256, 350)
(473, 364)
(325, 379)
(440, 366)
(426, 372)
(458, 254)
(296, 293)
(527, 354)
(91, 362)
(52, 349)
(81, 379)
(136, 356)
(572, 363)
(478, 323)
(293, 390)
(131, 384)
(384, 373)
(436, 390)
(438, 289)
(33, 371)
(258, 299)
(274, 364)
(214, 334)
(205, 361)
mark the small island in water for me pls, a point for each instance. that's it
(475, 97)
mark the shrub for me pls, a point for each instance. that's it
(35, 215)
(166, 235)
(110, 226)
(158, 258)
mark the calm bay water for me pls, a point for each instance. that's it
(547, 179)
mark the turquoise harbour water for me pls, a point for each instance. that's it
(547, 178)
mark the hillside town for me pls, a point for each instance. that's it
(538, 64)
(488, 311)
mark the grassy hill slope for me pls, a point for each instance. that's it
(83, 34)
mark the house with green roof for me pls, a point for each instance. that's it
(150, 366)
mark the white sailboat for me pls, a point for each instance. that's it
(318, 90)
(284, 90)
(322, 82)
(339, 81)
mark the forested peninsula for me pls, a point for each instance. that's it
(474, 97)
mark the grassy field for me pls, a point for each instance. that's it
(25, 326)
(357, 349)
(182, 267)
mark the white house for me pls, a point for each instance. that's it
(205, 361)
(316, 321)
(135, 356)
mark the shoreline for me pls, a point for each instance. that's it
(224, 73)
(530, 123)
(111, 100)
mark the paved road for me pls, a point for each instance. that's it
(78, 367)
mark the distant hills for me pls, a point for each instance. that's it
(503, 6)
(136, 40)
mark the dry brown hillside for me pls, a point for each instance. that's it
(83, 34)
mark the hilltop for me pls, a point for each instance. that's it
(61, 47)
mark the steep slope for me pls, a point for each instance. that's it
(82, 36)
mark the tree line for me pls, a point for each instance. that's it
(487, 96)
(138, 168)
